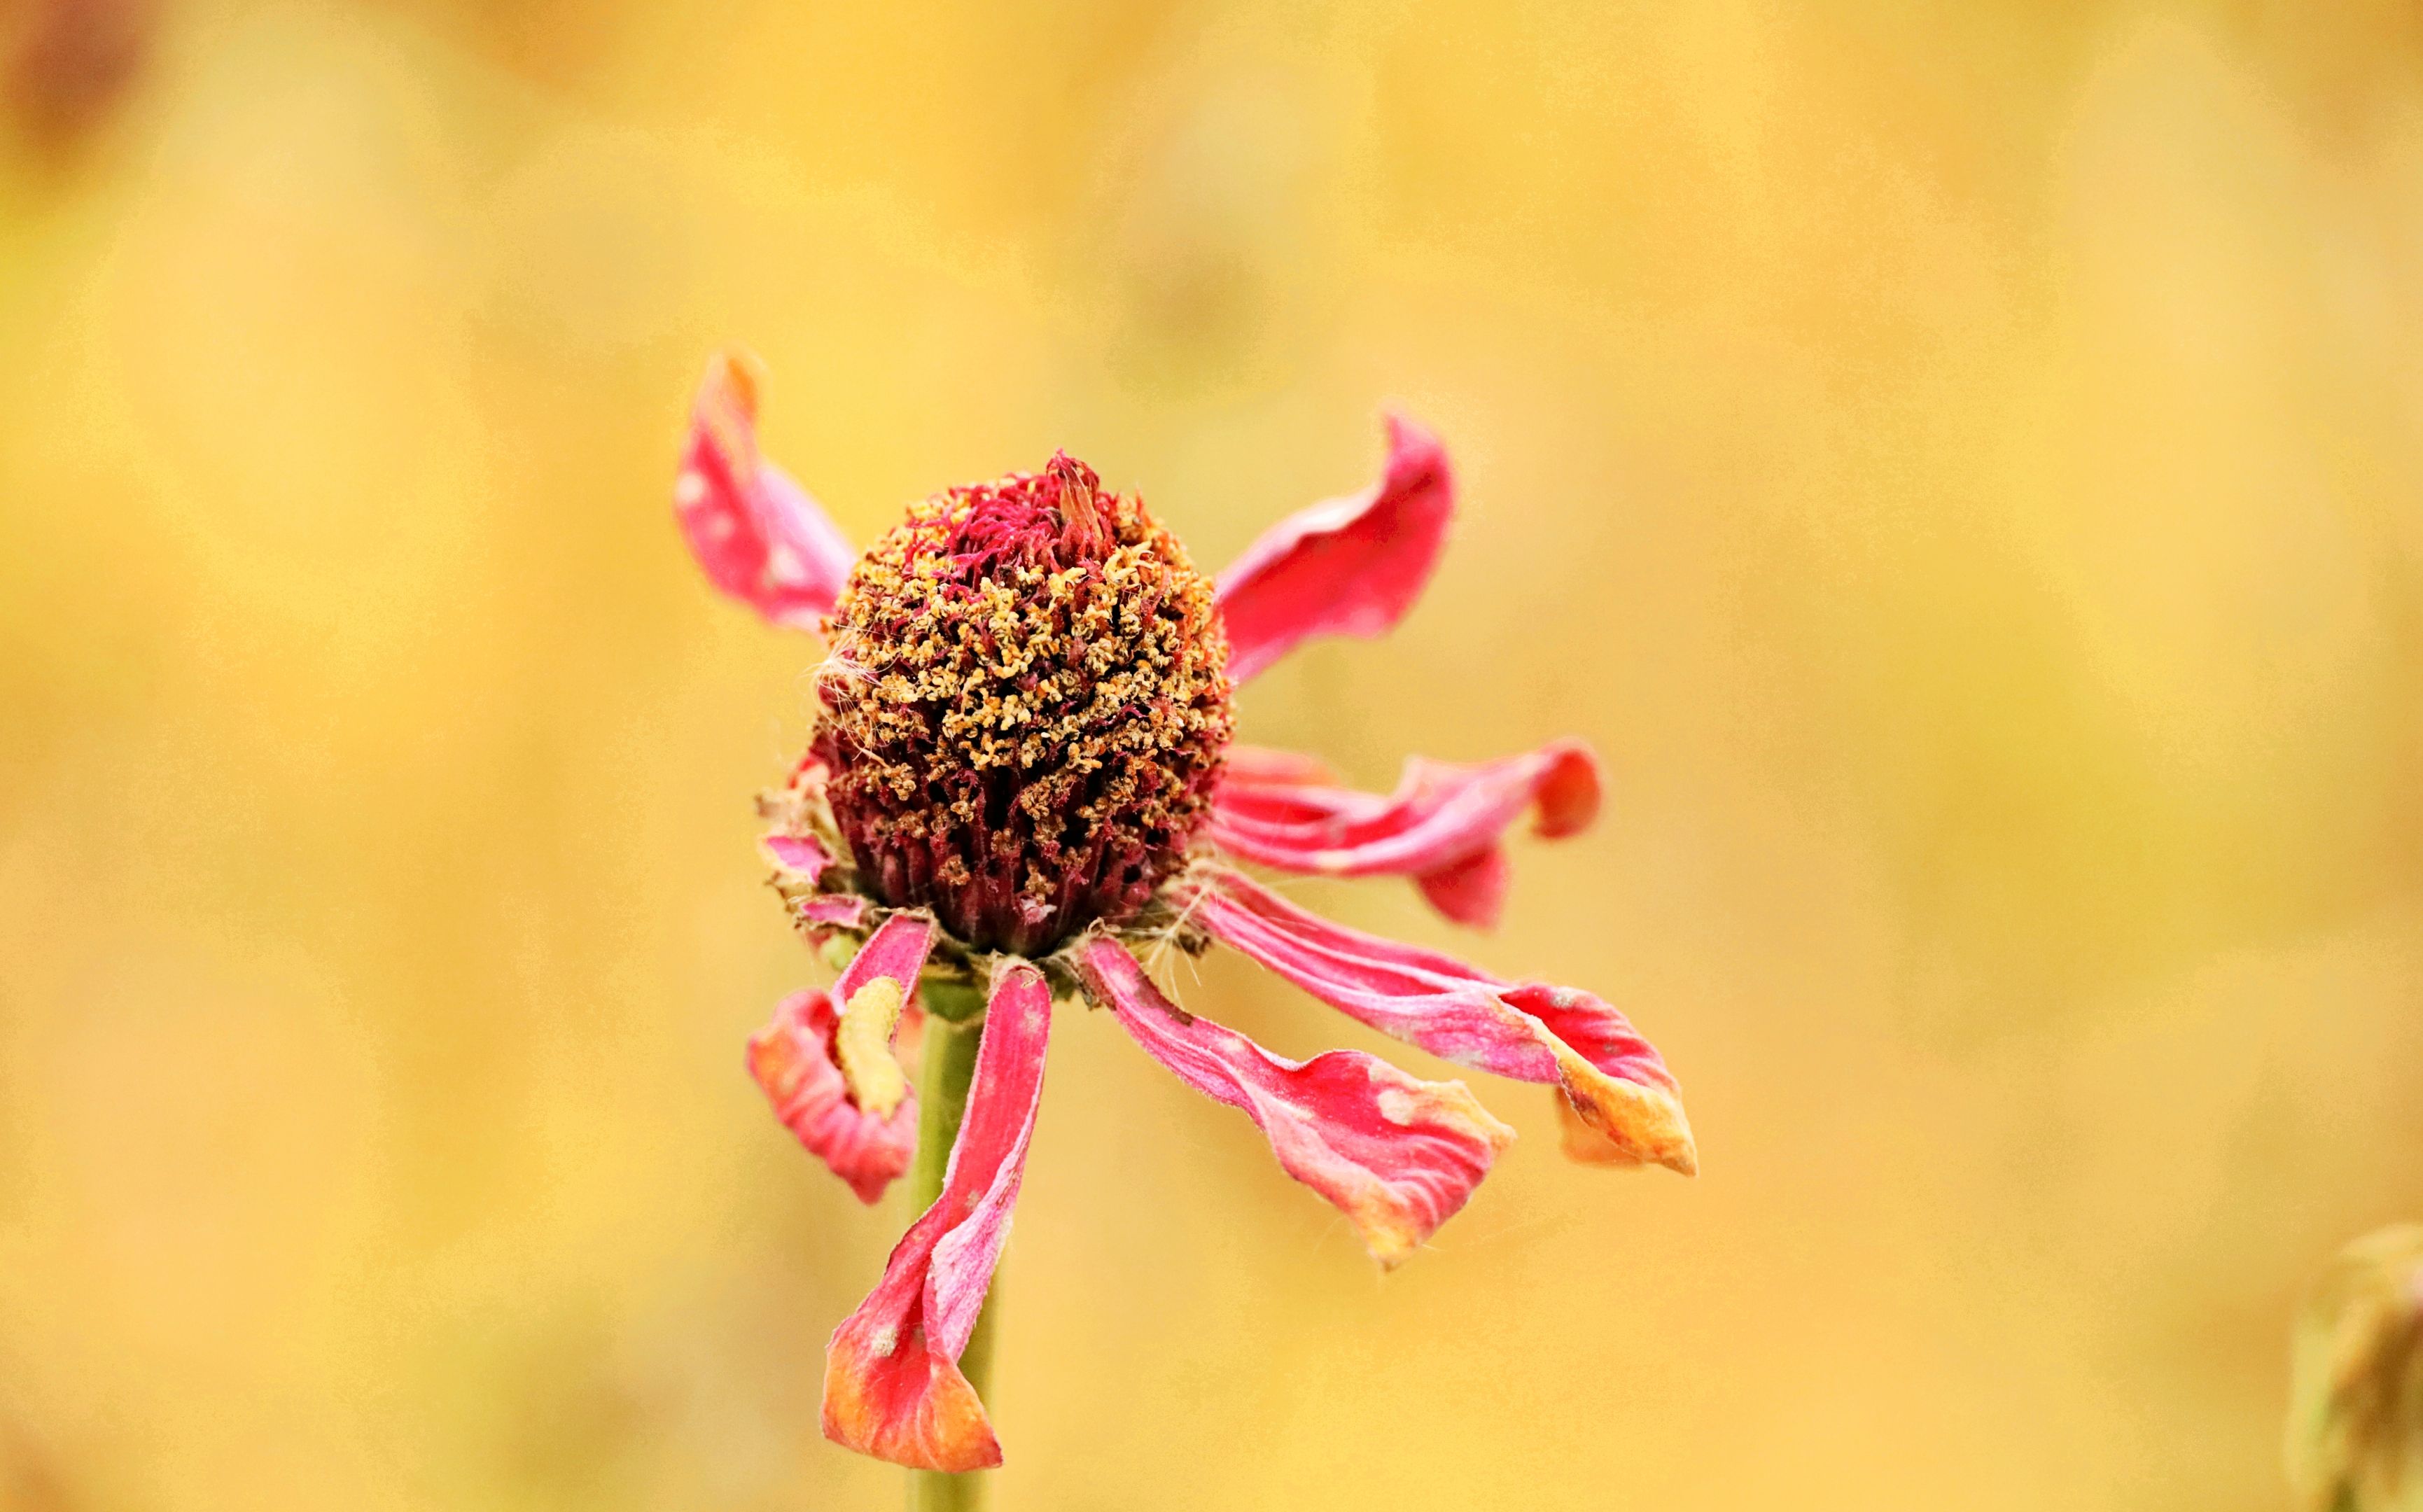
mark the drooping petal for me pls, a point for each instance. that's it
(875, 989)
(892, 1386)
(1612, 1079)
(792, 1059)
(757, 534)
(1397, 1155)
(1349, 566)
(1441, 826)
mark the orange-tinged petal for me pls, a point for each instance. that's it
(892, 1384)
(1614, 1080)
(904, 1404)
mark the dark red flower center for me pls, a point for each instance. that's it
(1025, 708)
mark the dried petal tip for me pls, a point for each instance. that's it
(792, 1060)
(1622, 1104)
(2356, 1413)
(1025, 708)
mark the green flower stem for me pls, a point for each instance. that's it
(954, 1029)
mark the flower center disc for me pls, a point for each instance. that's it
(1026, 709)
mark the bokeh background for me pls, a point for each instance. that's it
(1961, 463)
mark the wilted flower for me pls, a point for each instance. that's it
(2356, 1396)
(1024, 771)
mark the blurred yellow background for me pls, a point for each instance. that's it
(1962, 465)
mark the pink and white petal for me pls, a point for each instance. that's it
(1348, 566)
(792, 1059)
(1442, 819)
(892, 1385)
(757, 534)
(1395, 1154)
(1561, 1036)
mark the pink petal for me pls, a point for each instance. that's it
(1472, 890)
(1614, 1079)
(830, 910)
(757, 534)
(801, 862)
(892, 1386)
(1440, 827)
(1349, 566)
(792, 1059)
(897, 951)
(802, 857)
(1397, 1155)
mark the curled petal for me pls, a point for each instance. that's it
(892, 1386)
(879, 983)
(1397, 1155)
(801, 862)
(792, 1059)
(1349, 566)
(757, 534)
(1612, 1079)
(1441, 826)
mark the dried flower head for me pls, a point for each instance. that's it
(2355, 1416)
(1026, 709)
(1023, 773)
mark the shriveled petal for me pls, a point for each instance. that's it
(1612, 1079)
(1348, 566)
(875, 989)
(1397, 1155)
(892, 1386)
(792, 1059)
(757, 534)
(832, 910)
(1441, 826)
(800, 861)
(803, 857)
